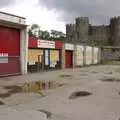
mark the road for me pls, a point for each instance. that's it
(102, 104)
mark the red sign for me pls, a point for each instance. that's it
(32, 43)
(58, 44)
(36, 43)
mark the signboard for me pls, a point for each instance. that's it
(46, 57)
(45, 44)
(69, 46)
(58, 44)
(79, 55)
(3, 57)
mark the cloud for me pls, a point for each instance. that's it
(4, 3)
(99, 11)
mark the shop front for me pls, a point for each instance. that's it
(44, 55)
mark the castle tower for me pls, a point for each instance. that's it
(70, 33)
(115, 31)
(82, 27)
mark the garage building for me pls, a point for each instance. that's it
(13, 45)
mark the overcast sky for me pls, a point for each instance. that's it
(54, 14)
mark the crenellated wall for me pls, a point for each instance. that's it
(84, 33)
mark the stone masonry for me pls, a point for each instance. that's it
(84, 33)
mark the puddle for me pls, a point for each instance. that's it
(83, 74)
(109, 73)
(48, 114)
(38, 86)
(4, 95)
(64, 75)
(1, 103)
(110, 80)
(34, 87)
(77, 94)
(61, 85)
(94, 72)
(13, 89)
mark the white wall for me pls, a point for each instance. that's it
(88, 55)
(95, 55)
(79, 55)
(12, 18)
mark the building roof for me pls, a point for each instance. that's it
(12, 15)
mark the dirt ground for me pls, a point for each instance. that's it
(102, 103)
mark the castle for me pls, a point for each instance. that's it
(84, 33)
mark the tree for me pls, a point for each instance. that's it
(44, 35)
(30, 33)
(34, 30)
(57, 35)
(35, 26)
(53, 33)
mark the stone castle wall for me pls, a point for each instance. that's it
(84, 33)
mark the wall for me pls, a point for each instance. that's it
(115, 31)
(82, 27)
(12, 18)
(110, 54)
(95, 55)
(83, 33)
(78, 32)
(99, 34)
(79, 55)
(88, 55)
(71, 32)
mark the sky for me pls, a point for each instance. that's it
(54, 14)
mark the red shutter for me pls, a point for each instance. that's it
(9, 44)
(69, 59)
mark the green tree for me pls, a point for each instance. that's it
(57, 35)
(34, 30)
(44, 35)
(30, 33)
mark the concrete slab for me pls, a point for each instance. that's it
(12, 114)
